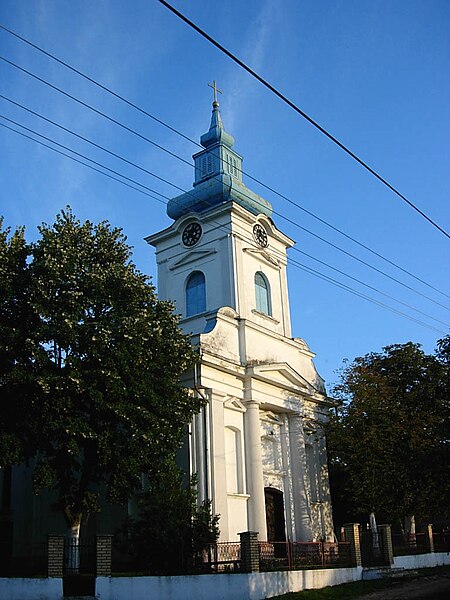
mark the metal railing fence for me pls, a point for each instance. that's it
(221, 557)
(403, 545)
(79, 558)
(277, 556)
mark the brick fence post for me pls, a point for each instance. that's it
(104, 555)
(429, 541)
(351, 531)
(55, 555)
(386, 543)
(249, 551)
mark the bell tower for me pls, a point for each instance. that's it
(223, 249)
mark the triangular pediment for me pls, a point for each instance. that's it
(234, 404)
(283, 375)
(194, 256)
(264, 255)
(271, 417)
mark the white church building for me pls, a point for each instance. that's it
(257, 447)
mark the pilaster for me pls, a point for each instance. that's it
(351, 531)
(386, 543)
(249, 551)
(55, 554)
(104, 555)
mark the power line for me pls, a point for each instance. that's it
(143, 111)
(80, 155)
(249, 240)
(287, 219)
(301, 112)
(97, 83)
(81, 162)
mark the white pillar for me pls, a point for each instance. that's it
(254, 468)
(302, 513)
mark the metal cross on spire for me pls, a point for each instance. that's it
(215, 88)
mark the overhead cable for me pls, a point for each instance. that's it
(302, 113)
(221, 226)
(287, 219)
(169, 127)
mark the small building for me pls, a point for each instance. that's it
(257, 447)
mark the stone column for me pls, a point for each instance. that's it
(352, 536)
(386, 543)
(249, 551)
(429, 541)
(303, 532)
(254, 468)
(55, 554)
(104, 555)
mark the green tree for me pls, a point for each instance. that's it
(388, 439)
(171, 531)
(93, 370)
(15, 345)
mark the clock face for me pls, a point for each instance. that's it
(191, 234)
(260, 235)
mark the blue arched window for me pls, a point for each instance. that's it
(195, 294)
(262, 294)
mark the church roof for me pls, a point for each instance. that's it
(216, 133)
(218, 176)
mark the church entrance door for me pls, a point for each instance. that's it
(276, 528)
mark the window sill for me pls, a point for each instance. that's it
(265, 316)
(236, 495)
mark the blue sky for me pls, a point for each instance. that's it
(374, 73)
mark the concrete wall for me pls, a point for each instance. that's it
(420, 561)
(19, 588)
(243, 586)
(252, 586)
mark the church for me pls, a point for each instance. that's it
(257, 447)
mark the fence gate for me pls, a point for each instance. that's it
(372, 550)
(79, 568)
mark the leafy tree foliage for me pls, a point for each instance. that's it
(171, 531)
(388, 441)
(16, 346)
(90, 365)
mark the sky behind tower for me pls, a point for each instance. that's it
(374, 74)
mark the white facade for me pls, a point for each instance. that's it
(257, 447)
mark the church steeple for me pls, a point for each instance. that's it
(216, 134)
(218, 157)
(218, 174)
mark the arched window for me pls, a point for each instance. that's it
(262, 294)
(195, 294)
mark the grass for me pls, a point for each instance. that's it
(348, 591)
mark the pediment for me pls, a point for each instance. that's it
(271, 417)
(194, 256)
(283, 375)
(234, 404)
(264, 255)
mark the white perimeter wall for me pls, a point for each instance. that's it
(420, 561)
(242, 586)
(18, 588)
